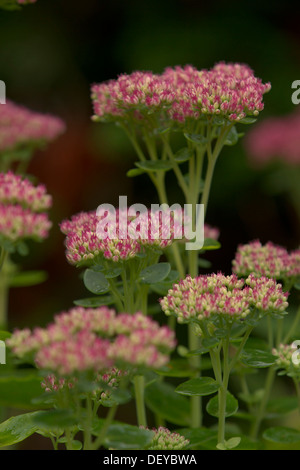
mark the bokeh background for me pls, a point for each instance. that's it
(50, 54)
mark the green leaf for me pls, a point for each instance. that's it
(162, 399)
(199, 386)
(18, 428)
(135, 172)
(27, 278)
(200, 438)
(4, 335)
(112, 273)
(22, 248)
(157, 165)
(230, 444)
(127, 437)
(297, 285)
(211, 244)
(282, 435)
(183, 155)
(116, 397)
(257, 358)
(163, 286)
(204, 263)
(232, 137)
(95, 301)
(232, 405)
(18, 389)
(177, 368)
(197, 139)
(247, 120)
(155, 273)
(95, 282)
(55, 419)
(282, 405)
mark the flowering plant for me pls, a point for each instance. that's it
(191, 369)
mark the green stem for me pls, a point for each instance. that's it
(139, 385)
(223, 391)
(88, 424)
(261, 411)
(108, 420)
(293, 327)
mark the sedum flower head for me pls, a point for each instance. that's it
(180, 93)
(275, 138)
(119, 236)
(20, 126)
(214, 296)
(288, 360)
(15, 189)
(94, 340)
(268, 260)
(164, 439)
(21, 209)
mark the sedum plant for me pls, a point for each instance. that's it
(189, 370)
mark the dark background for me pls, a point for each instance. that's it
(50, 54)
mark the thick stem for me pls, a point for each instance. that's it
(139, 385)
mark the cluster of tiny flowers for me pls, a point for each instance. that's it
(209, 295)
(119, 236)
(227, 90)
(21, 126)
(275, 138)
(51, 383)
(164, 439)
(94, 339)
(83, 241)
(268, 260)
(16, 189)
(108, 382)
(21, 206)
(288, 360)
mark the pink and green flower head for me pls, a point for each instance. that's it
(179, 94)
(120, 236)
(20, 127)
(216, 296)
(23, 209)
(268, 260)
(275, 139)
(96, 340)
(164, 439)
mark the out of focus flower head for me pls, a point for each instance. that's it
(21, 127)
(275, 138)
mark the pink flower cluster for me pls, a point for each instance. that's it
(275, 138)
(268, 260)
(16, 189)
(227, 90)
(21, 126)
(215, 295)
(95, 339)
(21, 206)
(120, 236)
